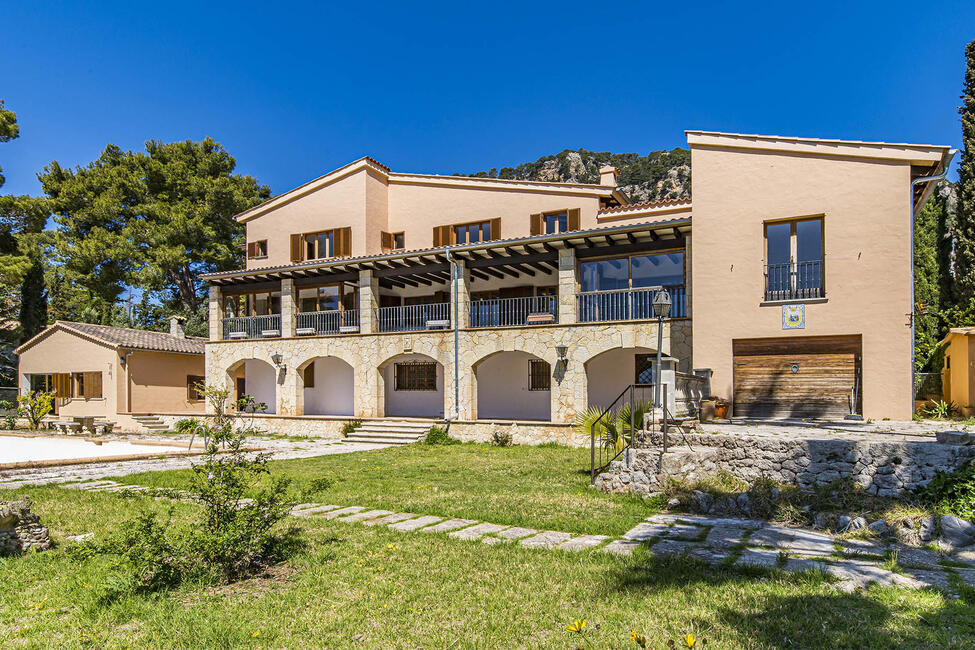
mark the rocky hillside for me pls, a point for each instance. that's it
(656, 176)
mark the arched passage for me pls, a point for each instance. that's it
(610, 372)
(413, 386)
(513, 385)
(328, 386)
(256, 378)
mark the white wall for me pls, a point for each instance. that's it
(611, 372)
(412, 403)
(502, 389)
(260, 381)
(333, 393)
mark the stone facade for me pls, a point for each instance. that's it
(884, 468)
(20, 529)
(370, 354)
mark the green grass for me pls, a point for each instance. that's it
(538, 487)
(371, 587)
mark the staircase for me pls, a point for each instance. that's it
(390, 432)
(152, 423)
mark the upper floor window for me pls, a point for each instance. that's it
(392, 241)
(336, 242)
(550, 223)
(255, 303)
(633, 272)
(794, 259)
(257, 249)
(328, 298)
(467, 233)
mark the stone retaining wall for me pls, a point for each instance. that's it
(20, 529)
(883, 468)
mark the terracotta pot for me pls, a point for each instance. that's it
(721, 411)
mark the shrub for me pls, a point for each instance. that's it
(951, 492)
(34, 406)
(351, 426)
(438, 435)
(148, 555)
(501, 438)
(941, 410)
(187, 426)
(10, 417)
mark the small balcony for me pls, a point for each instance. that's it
(794, 281)
(252, 327)
(515, 312)
(333, 321)
(627, 304)
(413, 318)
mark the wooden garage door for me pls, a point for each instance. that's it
(803, 385)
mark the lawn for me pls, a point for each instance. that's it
(371, 587)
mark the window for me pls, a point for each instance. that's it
(659, 269)
(794, 259)
(467, 233)
(320, 245)
(309, 375)
(539, 375)
(86, 385)
(392, 241)
(262, 303)
(257, 249)
(644, 369)
(550, 223)
(419, 375)
(194, 383)
(330, 297)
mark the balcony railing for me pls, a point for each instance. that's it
(794, 281)
(252, 327)
(627, 304)
(412, 318)
(507, 312)
(332, 321)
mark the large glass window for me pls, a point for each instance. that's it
(262, 303)
(660, 269)
(556, 223)
(327, 298)
(794, 259)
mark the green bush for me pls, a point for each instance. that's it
(187, 426)
(351, 426)
(951, 492)
(438, 435)
(941, 410)
(148, 555)
(34, 406)
(10, 417)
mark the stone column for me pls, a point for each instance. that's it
(286, 379)
(288, 307)
(568, 286)
(463, 295)
(216, 327)
(687, 272)
(368, 301)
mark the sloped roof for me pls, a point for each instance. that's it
(123, 337)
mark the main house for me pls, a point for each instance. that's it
(370, 293)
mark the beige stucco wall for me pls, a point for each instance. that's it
(61, 351)
(957, 380)
(157, 382)
(864, 204)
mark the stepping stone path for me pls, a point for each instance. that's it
(715, 540)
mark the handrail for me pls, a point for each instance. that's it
(794, 280)
(614, 439)
(411, 318)
(506, 312)
(251, 327)
(628, 304)
(330, 321)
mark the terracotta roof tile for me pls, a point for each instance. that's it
(634, 207)
(124, 337)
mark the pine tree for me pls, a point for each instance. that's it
(965, 233)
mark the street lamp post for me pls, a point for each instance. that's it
(661, 309)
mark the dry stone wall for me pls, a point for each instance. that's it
(20, 529)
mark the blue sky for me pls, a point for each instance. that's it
(293, 90)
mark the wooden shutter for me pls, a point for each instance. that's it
(296, 248)
(343, 242)
(574, 219)
(443, 236)
(386, 241)
(92, 385)
(62, 385)
(536, 224)
(251, 250)
(496, 228)
(310, 375)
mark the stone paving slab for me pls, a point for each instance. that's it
(704, 520)
(863, 546)
(413, 524)
(548, 539)
(709, 555)
(343, 511)
(620, 547)
(582, 543)
(516, 532)
(918, 558)
(672, 547)
(759, 557)
(967, 576)
(642, 532)
(390, 519)
(795, 540)
(477, 531)
(864, 573)
(367, 514)
(311, 509)
(930, 578)
(450, 524)
(724, 536)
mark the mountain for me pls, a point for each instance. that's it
(656, 176)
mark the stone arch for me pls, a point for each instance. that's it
(333, 386)
(609, 371)
(257, 378)
(501, 387)
(410, 403)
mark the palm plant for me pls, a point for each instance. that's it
(612, 428)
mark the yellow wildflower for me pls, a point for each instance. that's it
(690, 641)
(638, 639)
(577, 626)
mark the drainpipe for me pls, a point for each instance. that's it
(456, 321)
(913, 315)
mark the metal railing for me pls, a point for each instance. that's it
(331, 321)
(505, 312)
(616, 428)
(794, 281)
(412, 318)
(251, 327)
(928, 386)
(627, 304)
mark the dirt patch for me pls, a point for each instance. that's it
(270, 579)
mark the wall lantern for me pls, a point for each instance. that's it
(661, 304)
(562, 363)
(276, 358)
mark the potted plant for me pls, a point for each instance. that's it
(721, 407)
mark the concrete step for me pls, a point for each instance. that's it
(385, 426)
(377, 440)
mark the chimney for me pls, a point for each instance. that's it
(176, 326)
(607, 175)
